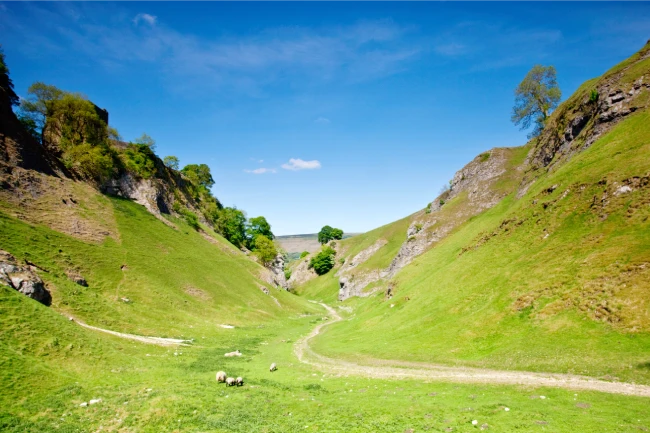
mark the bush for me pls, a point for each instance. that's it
(484, 156)
(593, 96)
(304, 254)
(139, 160)
(323, 261)
(265, 250)
(428, 209)
(287, 273)
(95, 162)
(418, 227)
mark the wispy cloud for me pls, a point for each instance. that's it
(322, 120)
(296, 164)
(450, 49)
(149, 19)
(261, 170)
(303, 56)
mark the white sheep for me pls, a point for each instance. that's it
(221, 376)
(230, 381)
(239, 381)
(273, 367)
(231, 354)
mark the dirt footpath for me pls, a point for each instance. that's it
(413, 370)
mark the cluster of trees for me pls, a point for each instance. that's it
(72, 126)
(328, 233)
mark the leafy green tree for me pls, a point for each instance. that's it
(171, 162)
(304, 254)
(231, 223)
(328, 233)
(39, 104)
(535, 98)
(265, 250)
(199, 174)
(323, 261)
(145, 140)
(258, 226)
(6, 85)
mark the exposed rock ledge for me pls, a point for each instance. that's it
(23, 279)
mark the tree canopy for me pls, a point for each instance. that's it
(264, 249)
(323, 261)
(535, 98)
(171, 162)
(231, 223)
(328, 233)
(199, 174)
(258, 226)
(6, 85)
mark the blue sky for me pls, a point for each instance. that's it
(347, 114)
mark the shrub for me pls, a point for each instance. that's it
(304, 254)
(593, 96)
(287, 273)
(139, 160)
(411, 238)
(341, 260)
(442, 202)
(484, 156)
(265, 250)
(428, 209)
(418, 227)
(323, 261)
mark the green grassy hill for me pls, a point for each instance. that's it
(555, 277)
(550, 272)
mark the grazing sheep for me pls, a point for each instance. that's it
(221, 376)
(273, 367)
(231, 354)
(230, 381)
(239, 381)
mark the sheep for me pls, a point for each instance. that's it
(273, 367)
(231, 354)
(239, 381)
(221, 376)
(230, 381)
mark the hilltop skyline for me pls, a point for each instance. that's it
(352, 115)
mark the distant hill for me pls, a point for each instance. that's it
(305, 242)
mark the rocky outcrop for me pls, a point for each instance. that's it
(300, 273)
(590, 113)
(150, 193)
(274, 273)
(23, 279)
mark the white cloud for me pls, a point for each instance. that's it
(149, 19)
(450, 49)
(261, 170)
(322, 120)
(299, 164)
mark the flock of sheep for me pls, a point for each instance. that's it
(239, 381)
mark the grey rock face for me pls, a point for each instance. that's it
(23, 279)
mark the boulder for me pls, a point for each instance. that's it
(22, 279)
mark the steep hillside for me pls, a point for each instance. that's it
(551, 276)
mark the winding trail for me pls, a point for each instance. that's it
(160, 341)
(417, 370)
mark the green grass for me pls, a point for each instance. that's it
(50, 366)
(497, 293)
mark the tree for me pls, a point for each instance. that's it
(231, 223)
(323, 261)
(6, 85)
(535, 98)
(171, 162)
(145, 140)
(199, 174)
(39, 104)
(258, 226)
(328, 233)
(265, 250)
